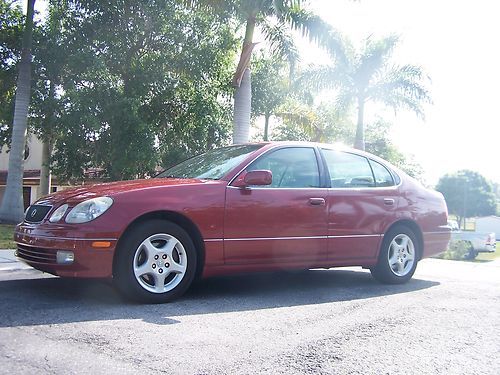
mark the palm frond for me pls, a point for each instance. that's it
(281, 42)
(373, 58)
(318, 31)
(402, 87)
(280, 7)
(317, 78)
(344, 100)
(297, 114)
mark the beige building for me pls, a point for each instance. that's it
(32, 166)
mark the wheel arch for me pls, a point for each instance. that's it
(176, 218)
(415, 228)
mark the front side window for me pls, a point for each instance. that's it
(383, 177)
(348, 170)
(212, 165)
(292, 167)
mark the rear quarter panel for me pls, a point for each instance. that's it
(427, 208)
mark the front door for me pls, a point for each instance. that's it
(284, 222)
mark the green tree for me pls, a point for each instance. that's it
(307, 122)
(274, 17)
(53, 47)
(146, 83)
(12, 207)
(370, 76)
(496, 191)
(11, 28)
(467, 193)
(269, 89)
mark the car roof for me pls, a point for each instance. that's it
(332, 146)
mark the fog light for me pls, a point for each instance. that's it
(65, 257)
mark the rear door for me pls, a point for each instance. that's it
(362, 202)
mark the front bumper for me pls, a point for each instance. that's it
(39, 250)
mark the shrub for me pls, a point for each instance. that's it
(457, 250)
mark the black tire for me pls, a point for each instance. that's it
(383, 271)
(132, 247)
(472, 254)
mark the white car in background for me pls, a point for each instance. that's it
(478, 242)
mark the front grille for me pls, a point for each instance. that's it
(36, 254)
(36, 213)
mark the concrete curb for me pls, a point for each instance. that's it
(9, 262)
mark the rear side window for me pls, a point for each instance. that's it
(382, 176)
(348, 170)
(292, 167)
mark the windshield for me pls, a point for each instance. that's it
(212, 165)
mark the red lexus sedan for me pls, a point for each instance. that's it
(242, 208)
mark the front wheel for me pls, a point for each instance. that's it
(398, 256)
(155, 262)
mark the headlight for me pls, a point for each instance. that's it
(89, 210)
(58, 214)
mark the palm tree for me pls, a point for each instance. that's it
(12, 207)
(275, 18)
(369, 75)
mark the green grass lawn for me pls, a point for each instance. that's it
(6, 236)
(489, 256)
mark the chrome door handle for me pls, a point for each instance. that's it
(316, 201)
(388, 201)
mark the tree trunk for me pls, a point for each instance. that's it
(242, 109)
(243, 91)
(12, 208)
(48, 125)
(266, 127)
(45, 175)
(359, 142)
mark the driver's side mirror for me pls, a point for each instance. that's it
(254, 178)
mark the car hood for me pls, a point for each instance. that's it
(114, 188)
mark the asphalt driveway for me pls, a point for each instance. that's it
(445, 321)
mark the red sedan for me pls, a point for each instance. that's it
(242, 208)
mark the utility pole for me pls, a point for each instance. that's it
(465, 204)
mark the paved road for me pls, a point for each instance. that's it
(445, 321)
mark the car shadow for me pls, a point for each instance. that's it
(51, 300)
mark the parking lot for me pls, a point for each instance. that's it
(445, 321)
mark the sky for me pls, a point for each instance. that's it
(456, 42)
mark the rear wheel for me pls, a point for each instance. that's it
(398, 256)
(155, 262)
(471, 253)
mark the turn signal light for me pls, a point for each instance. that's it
(101, 244)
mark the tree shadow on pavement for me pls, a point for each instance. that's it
(51, 300)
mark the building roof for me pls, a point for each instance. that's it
(31, 177)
